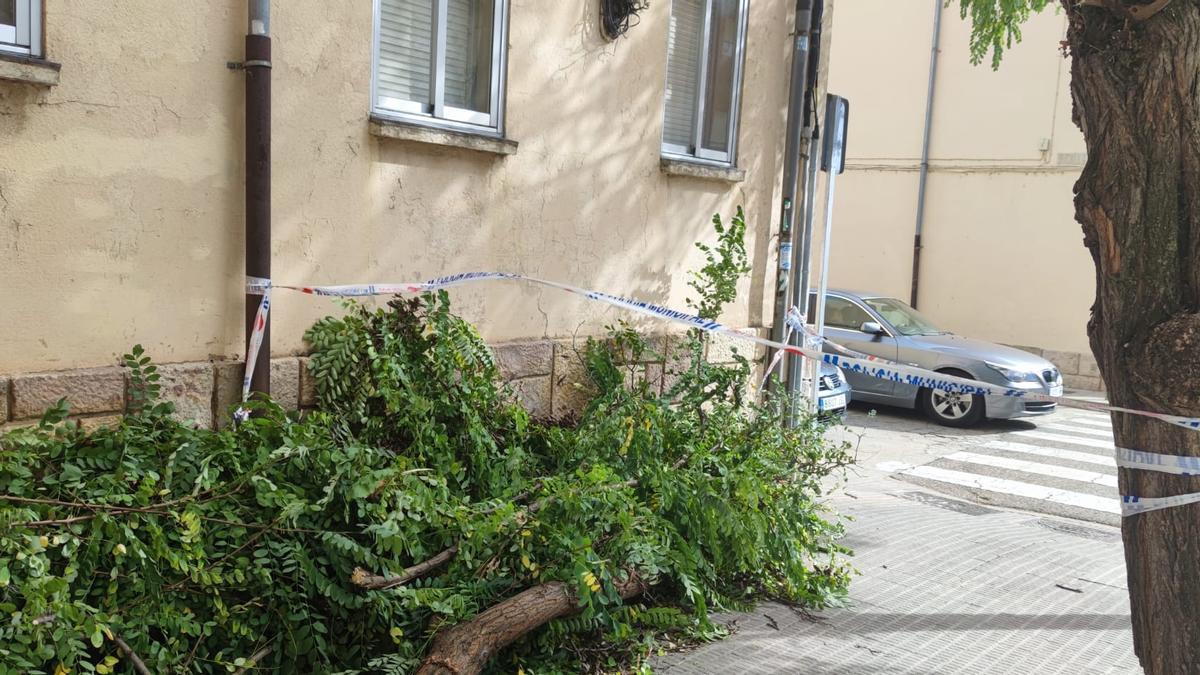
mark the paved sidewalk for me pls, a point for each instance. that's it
(946, 587)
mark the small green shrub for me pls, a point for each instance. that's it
(211, 551)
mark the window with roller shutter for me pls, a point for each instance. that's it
(21, 27)
(705, 51)
(440, 62)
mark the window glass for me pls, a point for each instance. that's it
(8, 12)
(905, 319)
(841, 313)
(406, 50)
(722, 66)
(469, 54)
(703, 78)
(438, 60)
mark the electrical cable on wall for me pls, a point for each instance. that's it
(618, 16)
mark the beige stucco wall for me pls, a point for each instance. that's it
(121, 188)
(1003, 258)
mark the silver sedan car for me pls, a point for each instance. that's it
(888, 328)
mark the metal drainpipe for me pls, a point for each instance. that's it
(258, 175)
(924, 179)
(803, 253)
(792, 165)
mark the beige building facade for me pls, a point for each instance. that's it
(122, 169)
(1002, 257)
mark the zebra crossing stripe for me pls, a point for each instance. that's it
(1103, 422)
(1103, 433)
(1073, 440)
(1016, 488)
(1026, 466)
(1057, 453)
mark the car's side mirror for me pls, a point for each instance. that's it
(871, 328)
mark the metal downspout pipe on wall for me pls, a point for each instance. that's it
(802, 254)
(258, 176)
(798, 87)
(923, 181)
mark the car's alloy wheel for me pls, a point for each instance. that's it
(952, 409)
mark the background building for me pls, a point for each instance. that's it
(1003, 258)
(517, 138)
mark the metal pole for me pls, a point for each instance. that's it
(836, 129)
(823, 283)
(798, 88)
(802, 254)
(797, 366)
(923, 181)
(258, 176)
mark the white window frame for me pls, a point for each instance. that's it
(25, 38)
(439, 114)
(695, 151)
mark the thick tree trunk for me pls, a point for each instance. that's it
(466, 648)
(1136, 91)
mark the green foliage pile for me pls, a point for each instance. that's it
(225, 551)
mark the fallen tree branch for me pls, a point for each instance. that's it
(54, 523)
(137, 662)
(375, 582)
(252, 662)
(467, 647)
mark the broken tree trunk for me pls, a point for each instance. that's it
(1134, 84)
(466, 648)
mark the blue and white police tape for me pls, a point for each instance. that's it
(1178, 465)
(1149, 461)
(1132, 505)
(848, 359)
(858, 363)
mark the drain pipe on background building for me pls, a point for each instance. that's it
(258, 176)
(797, 89)
(802, 254)
(923, 181)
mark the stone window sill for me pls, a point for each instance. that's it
(17, 68)
(682, 167)
(417, 133)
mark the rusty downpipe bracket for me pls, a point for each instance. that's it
(257, 68)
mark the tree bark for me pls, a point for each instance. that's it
(1136, 92)
(466, 648)
(377, 582)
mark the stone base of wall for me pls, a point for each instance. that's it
(546, 376)
(1079, 371)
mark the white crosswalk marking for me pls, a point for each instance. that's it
(1073, 440)
(1092, 421)
(1102, 433)
(1052, 470)
(1057, 453)
(1065, 466)
(1016, 488)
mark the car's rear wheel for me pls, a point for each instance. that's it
(952, 409)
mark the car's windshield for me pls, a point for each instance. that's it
(904, 318)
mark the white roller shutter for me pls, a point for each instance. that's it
(405, 50)
(683, 71)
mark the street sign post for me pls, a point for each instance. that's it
(833, 163)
